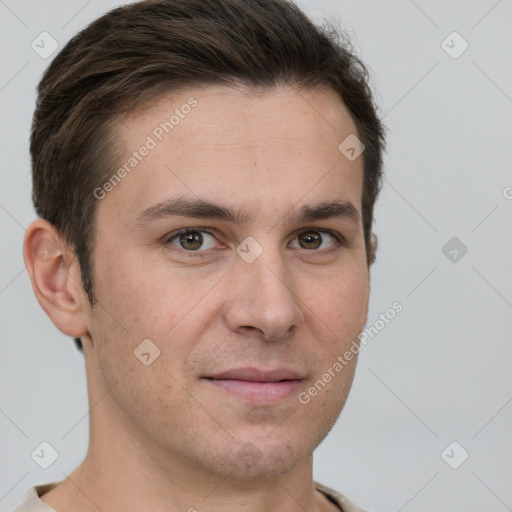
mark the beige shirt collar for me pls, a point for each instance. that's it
(33, 503)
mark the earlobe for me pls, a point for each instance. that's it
(55, 277)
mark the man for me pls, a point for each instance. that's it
(205, 174)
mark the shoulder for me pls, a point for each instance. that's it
(343, 503)
(32, 502)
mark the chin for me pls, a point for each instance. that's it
(251, 462)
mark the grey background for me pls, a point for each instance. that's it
(439, 372)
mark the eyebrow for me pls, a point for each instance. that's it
(204, 209)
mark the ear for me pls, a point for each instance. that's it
(55, 275)
(373, 247)
(373, 252)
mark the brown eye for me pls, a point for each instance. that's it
(313, 239)
(310, 239)
(193, 240)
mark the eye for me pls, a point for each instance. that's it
(193, 240)
(314, 239)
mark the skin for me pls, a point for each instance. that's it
(161, 436)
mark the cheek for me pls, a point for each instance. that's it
(145, 297)
(340, 301)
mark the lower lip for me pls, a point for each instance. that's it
(259, 392)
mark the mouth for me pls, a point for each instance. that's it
(258, 386)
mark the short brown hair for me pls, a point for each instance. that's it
(139, 51)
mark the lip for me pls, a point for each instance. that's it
(257, 385)
(252, 374)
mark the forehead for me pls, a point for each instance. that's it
(263, 112)
(226, 143)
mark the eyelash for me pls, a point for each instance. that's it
(340, 240)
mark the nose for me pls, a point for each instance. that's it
(262, 298)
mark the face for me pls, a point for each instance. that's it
(234, 246)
